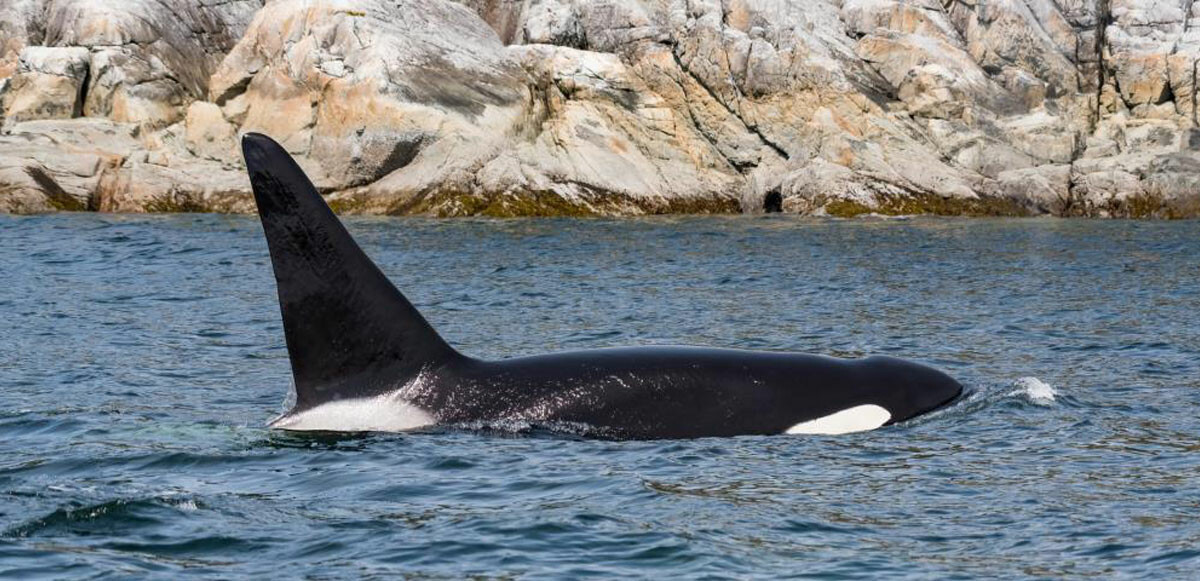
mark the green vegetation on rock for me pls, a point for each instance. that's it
(932, 204)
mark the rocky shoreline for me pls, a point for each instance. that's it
(608, 107)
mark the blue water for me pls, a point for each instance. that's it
(141, 357)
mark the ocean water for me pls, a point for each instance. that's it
(142, 356)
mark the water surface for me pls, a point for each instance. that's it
(142, 356)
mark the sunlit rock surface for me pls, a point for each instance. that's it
(561, 107)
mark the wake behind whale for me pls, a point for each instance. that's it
(364, 359)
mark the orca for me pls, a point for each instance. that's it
(363, 358)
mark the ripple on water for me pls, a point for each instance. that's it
(109, 517)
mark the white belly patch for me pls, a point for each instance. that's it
(859, 418)
(375, 414)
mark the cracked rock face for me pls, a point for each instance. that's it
(48, 84)
(360, 90)
(532, 107)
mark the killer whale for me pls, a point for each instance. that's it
(364, 359)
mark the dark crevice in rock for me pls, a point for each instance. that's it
(1079, 145)
(1167, 95)
(1103, 19)
(713, 95)
(713, 142)
(773, 202)
(81, 97)
(876, 88)
(1195, 89)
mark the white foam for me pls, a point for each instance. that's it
(385, 413)
(1038, 391)
(859, 418)
(187, 505)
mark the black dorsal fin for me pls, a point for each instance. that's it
(350, 332)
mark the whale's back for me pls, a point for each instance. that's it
(684, 392)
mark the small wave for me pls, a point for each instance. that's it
(105, 517)
(218, 545)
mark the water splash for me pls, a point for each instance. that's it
(1035, 390)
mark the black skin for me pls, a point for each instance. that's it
(352, 334)
(680, 392)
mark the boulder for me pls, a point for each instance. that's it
(363, 89)
(1043, 189)
(48, 84)
(19, 27)
(59, 164)
(151, 57)
(209, 135)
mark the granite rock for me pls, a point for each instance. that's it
(507, 107)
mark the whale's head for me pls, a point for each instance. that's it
(911, 388)
(932, 388)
